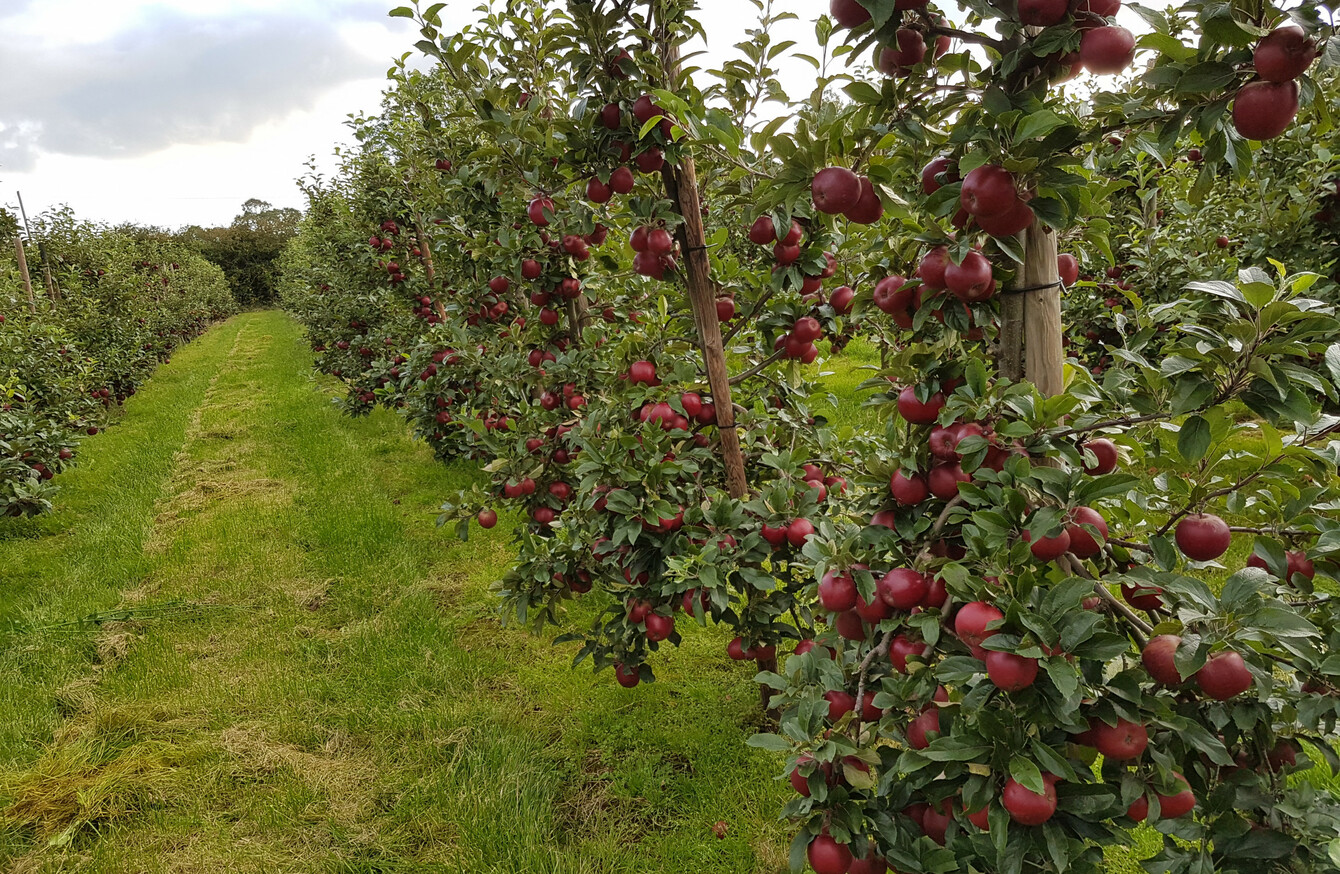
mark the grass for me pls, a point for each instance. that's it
(242, 645)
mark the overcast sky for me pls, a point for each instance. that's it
(174, 112)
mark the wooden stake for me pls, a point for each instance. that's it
(681, 185)
(23, 272)
(426, 256)
(1043, 350)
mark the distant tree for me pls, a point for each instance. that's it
(247, 250)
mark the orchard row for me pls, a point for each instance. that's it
(612, 282)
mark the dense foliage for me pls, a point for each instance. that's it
(118, 305)
(1029, 562)
(248, 250)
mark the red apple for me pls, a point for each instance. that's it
(1284, 54)
(835, 190)
(1157, 657)
(903, 647)
(1107, 50)
(972, 619)
(837, 592)
(970, 280)
(908, 51)
(1121, 742)
(1224, 676)
(988, 190)
(1179, 804)
(1264, 110)
(1067, 266)
(848, 13)
(1203, 536)
(1042, 13)
(1010, 672)
(1027, 807)
(943, 165)
(1082, 543)
(917, 412)
(869, 208)
(908, 490)
(487, 518)
(827, 856)
(902, 588)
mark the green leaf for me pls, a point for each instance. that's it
(1024, 771)
(1194, 439)
(401, 12)
(772, 742)
(1039, 124)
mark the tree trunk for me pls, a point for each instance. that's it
(23, 272)
(1043, 352)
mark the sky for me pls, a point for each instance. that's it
(175, 112)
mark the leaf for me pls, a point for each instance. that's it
(1025, 772)
(771, 742)
(401, 12)
(1241, 587)
(1194, 439)
(1039, 124)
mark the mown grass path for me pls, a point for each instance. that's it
(292, 669)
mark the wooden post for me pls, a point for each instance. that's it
(1010, 353)
(681, 186)
(53, 290)
(1043, 345)
(23, 272)
(426, 256)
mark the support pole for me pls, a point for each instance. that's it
(23, 272)
(1043, 345)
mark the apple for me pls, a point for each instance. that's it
(935, 822)
(908, 51)
(901, 648)
(1284, 54)
(827, 856)
(908, 490)
(1011, 672)
(1224, 676)
(835, 190)
(848, 13)
(531, 269)
(917, 412)
(487, 518)
(839, 704)
(1157, 658)
(972, 619)
(537, 209)
(1142, 597)
(869, 208)
(841, 300)
(1027, 807)
(1049, 548)
(902, 588)
(943, 165)
(597, 191)
(622, 180)
(1297, 562)
(799, 531)
(725, 307)
(626, 676)
(1203, 536)
(785, 253)
(1043, 13)
(944, 480)
(837, 592)
(931, 270)
(762, 231)
(1067, 266)
(1082, 543)
(1180, 804)
(928, 721)
(807, 329)
(1119, 743)
(988, 190)
(892, 297)
(850, 625)
(971, 280)
(1105, 454)
(1105, 8)
(1222, 242)
(1107, 50)
(659, 627)
(650, 160)
(1264, 110)
(1018, 219)
(871, 864)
